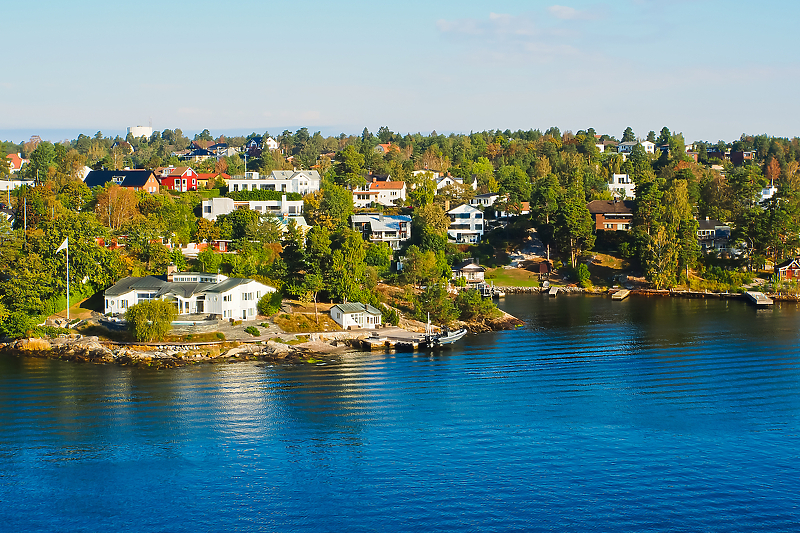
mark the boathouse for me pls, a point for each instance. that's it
(356, 316)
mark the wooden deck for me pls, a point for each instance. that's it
(621, 294)
(759, 299)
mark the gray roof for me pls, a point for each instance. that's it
(389, 222)
(357, 307)
(126, 285)
(185, 290)
(710, 224)
(227, 285)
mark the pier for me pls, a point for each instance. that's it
(759, 299)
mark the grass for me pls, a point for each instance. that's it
(304, 322)
(212, 336)
(105, 333)
(512, 277)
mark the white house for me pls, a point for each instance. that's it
(192, 293)
(15, 162)
(622, 185)
(627, 147)
(377, 227)
(444, 181)
(471, 271)
(299, 181)
(214, 207)
(10, 185)
(379, 192)
(270, 143)
(356, 316)
(466, 224)
(484, 200)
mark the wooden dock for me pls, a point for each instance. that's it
(394, 339)
(553, 292)
(759, 299)
(621, 294)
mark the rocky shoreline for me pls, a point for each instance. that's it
(90, 349)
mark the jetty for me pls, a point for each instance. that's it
(621, 294)
(394, 339)
(553, 292)
(759, 299)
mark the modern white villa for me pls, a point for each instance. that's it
(377, 227)
(299, 181)
(214, 207)
(192, 293)
(356, 316)
(622, 186)
(466, 224)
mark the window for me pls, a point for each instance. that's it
(478, 215)
(227, 297)
(206, 209)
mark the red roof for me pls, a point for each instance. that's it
(15, 161)
(378, 185)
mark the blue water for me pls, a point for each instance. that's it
(641, 415)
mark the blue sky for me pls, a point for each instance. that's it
(711, 69)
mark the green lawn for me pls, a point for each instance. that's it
(512, 277)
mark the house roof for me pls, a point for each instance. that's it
(465, 208)
(16, 161)
(792, 261)
(203, 144)
(597, 207)
(129, 178)
(468, 266)
(227, 285)
(357, 307)
(384, 185)
(177, 171)
(126, 285)
(487, 195)
(709, 223)
(378, 223)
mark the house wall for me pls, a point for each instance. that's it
(616, 222)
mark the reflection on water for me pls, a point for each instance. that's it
(655, 414)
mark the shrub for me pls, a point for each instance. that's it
(471, 305)
(270, 303)
(389, 315)
(152, 320)
(252, 330)
(220, 336)
(16, 325)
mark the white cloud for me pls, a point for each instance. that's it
(570, 13)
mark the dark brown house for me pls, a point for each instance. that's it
(611, 215)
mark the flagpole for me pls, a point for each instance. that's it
(67, 250)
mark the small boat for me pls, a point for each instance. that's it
(446, 337)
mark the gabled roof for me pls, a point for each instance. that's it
(204, 145)
(177, 171)
(128, 178)
(16, 161)
(465, 208)
(792, 262)
(603, 207)
(468, 266)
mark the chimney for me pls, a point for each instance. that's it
(446, 205)
(374, 179)
(171, 270)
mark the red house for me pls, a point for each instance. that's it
(789, 269)
(179, 178)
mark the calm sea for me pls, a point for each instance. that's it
(641, 415)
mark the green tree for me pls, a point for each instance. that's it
(628, 136)
(150, 320)
(349, 168)
(573, 229)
